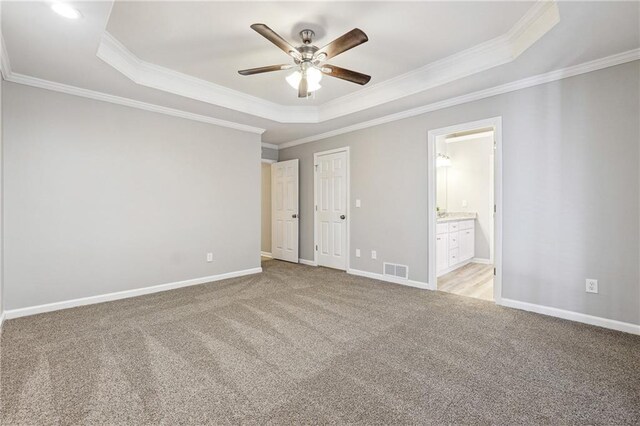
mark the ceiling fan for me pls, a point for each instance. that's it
(309, 59)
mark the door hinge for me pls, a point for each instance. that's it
(316, 247)
(495, 209)
(494, 271)
(316, 207)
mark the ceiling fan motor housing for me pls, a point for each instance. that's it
(307, 36)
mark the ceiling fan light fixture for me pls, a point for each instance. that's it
(314, 76)
(308, 59)
(313, 79)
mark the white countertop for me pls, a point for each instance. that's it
(449, 217)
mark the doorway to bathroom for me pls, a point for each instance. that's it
(464, 209)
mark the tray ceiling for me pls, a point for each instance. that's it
(420, 54)
(212, 40)
(486, 43)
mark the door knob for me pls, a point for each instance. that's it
(294, 215)
(342, 216)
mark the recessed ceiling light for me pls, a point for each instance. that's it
(64, 9)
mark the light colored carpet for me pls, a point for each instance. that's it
(298, 344)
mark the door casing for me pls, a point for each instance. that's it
(496, 123)
(348, 203)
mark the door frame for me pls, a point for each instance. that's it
(496, 123)
(315, 202)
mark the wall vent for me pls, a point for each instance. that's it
(396, 270)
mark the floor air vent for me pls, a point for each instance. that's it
(395, 270)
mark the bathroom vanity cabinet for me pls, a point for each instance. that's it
(455, 244)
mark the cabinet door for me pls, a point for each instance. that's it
(466, 244)
(442, 250)
(454, 257)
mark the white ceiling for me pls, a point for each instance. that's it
(211, 41)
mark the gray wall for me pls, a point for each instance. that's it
(571, 191)
(103, 198)
(265, 239)
(270, 154)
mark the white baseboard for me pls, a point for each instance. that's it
(389, 279)
(266, 254)
(49, 307)
(572, 316)
(481, 260)
(2, 315)
(308, 262)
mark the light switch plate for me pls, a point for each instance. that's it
(374, 255)
(358, 202)
(591, 285)
(357, 252)
(209, 257)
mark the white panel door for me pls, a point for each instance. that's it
(284, 210)
(331, 210)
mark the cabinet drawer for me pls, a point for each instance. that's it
(454, 226)
(453, 257)
(453, 240)
(465, 224)
(442, 228)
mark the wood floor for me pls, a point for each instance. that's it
(472, 280)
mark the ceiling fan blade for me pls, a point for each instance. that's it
(343, 43)
(303, 90)
(268, 68)
(274, 38)
(345, 74)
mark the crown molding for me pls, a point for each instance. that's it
(538, 20)
(92, 94)
(270, 146)
(9, 75)
(5, 65)
(114, 53)
(595, 65)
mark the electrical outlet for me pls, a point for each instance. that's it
(592, 286)
(358, 203)
(209, 257)
(374, 255)
(357, 252)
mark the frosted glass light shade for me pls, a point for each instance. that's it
(313, 79)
